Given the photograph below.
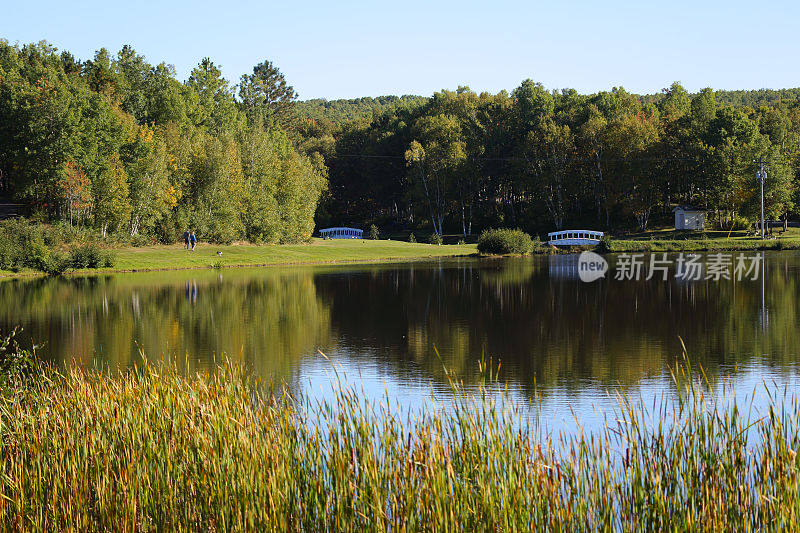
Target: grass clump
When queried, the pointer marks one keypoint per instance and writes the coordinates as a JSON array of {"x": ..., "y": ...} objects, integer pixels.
[
  {"x": 155, "y": 450},
  {"x": 504, "y": 241}
]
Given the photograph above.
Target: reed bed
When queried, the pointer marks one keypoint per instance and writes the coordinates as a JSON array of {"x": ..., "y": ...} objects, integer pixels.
[{"x": 152, "y": 449}]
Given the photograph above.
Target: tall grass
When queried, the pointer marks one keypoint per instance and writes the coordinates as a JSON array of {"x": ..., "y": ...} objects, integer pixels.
[{"x": 155, "y": 450}]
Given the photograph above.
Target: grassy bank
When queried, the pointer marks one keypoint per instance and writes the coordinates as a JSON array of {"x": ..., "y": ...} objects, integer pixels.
[
  {"x": 153, "y": 450},
  {"x": 703, "y": 245},
  {"x": 709, "y": 241},
  {"x": 174, "y": 257}
]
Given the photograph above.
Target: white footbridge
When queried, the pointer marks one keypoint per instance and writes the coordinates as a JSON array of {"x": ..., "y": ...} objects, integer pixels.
[
  {"x": 575, "y": 237},
  {"x": 341, "y": 233}
]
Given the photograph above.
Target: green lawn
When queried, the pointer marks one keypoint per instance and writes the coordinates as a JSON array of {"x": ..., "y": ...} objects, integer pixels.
[
  {"x": 670, "y": 240},
  {"x": 318, "y": 251},
  {"x": 664, "y": 234}
]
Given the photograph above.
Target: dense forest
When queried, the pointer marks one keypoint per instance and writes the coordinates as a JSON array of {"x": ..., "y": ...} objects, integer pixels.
[
  {"x": 119, "y": 146},
  {"x": 544, "y": 160},
  {"x": 338, "y": 112}
]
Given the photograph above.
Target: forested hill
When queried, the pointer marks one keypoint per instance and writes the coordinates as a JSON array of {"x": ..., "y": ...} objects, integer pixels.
[
  {"x": 539, "y": 159},
  {"x": 752, "y": 98},
  {"x": 348, "y": 110},
  {"x": 341, "y": 111}
]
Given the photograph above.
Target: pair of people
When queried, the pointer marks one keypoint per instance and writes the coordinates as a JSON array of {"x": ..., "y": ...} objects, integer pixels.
[{"x": 189, "y": 239}]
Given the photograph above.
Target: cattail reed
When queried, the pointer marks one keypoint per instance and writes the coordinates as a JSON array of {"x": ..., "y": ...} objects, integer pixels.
[{"x": 151, "y": 449}]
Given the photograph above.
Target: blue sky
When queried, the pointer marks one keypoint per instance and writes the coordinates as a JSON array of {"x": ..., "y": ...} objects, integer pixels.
[{"x": 351, "y": 49}]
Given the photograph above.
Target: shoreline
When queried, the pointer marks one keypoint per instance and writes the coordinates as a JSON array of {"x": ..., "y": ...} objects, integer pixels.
[
  {"x": 167, "y": 258},
  {"x": 164, "y": 258}
]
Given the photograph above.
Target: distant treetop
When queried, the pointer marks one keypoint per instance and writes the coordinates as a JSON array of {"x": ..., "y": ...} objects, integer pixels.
[{"x": 348, "y": 110}]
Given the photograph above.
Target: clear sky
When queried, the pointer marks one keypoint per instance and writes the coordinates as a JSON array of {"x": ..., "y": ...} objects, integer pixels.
[{"x": 349, "y": 49}]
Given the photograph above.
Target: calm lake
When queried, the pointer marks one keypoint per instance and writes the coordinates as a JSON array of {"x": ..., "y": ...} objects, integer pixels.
[{"x": 572, "y": 342}]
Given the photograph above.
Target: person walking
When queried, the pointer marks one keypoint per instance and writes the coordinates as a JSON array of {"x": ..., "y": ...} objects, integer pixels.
[
  {"x": 186, "y": 240},
  {"x": 193, "y": 240}
]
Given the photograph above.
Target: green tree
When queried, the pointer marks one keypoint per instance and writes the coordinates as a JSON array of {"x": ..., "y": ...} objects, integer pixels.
[
  {"x": 266, "y": 97},
  {"x": 110, "y": 189}
]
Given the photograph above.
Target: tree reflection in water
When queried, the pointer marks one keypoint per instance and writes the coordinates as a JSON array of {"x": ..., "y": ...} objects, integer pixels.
[{"x": 534, "y": 319}]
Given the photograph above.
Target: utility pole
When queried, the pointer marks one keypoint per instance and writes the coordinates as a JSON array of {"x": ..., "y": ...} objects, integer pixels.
[{"x": 761, "y": 175}]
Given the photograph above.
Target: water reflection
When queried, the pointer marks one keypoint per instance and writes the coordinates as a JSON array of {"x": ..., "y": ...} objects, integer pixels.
[{"x": 531, "y": 314}]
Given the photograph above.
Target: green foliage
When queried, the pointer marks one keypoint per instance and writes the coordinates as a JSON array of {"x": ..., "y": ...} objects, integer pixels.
[
  {"x": 436, "y": 239},
  {"x": 339, "y": 112},
  {"x": 504, "y": 241},
  {"x": 121, "y": 147},
  {"x": 39, "y": 247},
  {"x": 605, "y": 246},
  {"x": 54, "y": 263},
  {"x": 373, "y": 232},
  {"x": 412, "y": 238},
  {"x": 90, "y": 256},
  {"x": 536, "y": 159}
]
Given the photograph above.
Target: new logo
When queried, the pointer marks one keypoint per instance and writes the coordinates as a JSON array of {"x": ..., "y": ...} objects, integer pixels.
[{"x": 591, "y": 266}]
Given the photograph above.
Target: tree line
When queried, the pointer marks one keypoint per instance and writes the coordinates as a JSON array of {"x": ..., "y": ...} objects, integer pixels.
[
  {"x": 540, "y": 160},
  {"x": 122, "y": 147},
  {"x": 119, "y": 145}
]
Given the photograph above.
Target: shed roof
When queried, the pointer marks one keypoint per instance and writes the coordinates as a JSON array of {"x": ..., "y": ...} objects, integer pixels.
[{"x": 688, "y": 208}]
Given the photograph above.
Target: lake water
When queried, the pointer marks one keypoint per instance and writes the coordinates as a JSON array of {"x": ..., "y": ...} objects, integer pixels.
[{"x": 574, "y": 343}]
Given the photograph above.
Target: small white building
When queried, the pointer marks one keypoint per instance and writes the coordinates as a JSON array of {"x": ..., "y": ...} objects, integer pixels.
[
  {"x": 688, "y": 217},
  {"x": 341, "y": 233}
]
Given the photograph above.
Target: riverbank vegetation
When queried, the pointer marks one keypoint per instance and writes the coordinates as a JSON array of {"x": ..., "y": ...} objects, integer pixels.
[
  {"x": 91, "y": 257},
  {"x": 505, "y": 241},
  {"x": 118, "y": 145},
  {"x": 546, "y": 160},
  {"x": 49, "y": 249},
  {"x": 153, "y": 449}
]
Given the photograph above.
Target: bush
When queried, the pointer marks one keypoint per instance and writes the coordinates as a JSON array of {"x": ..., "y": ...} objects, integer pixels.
[
  {"x": 411, "y": 238},
  {"x": 435, "y": 238},
  {"x": 23, "y": 245},
  {"x": 605, "y": 245},
  {"x": 373, "y": 232},
  {"x": 55, "y": 264},
  {"x": 739, "y": 223},
  {"x": 90, "y": 256},
  {"x": 504, "y": 241}
]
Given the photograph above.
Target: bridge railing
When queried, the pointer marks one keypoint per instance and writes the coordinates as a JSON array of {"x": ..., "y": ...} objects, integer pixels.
[{"x": 574, "y": 236}]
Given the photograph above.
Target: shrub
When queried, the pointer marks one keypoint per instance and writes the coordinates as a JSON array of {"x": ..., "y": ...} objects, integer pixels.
[
  {"x": 373, "y": 232},
  {"x": 504, "y": 241},
  {"x": 604, "y": 247},
  {"x": 411, "y": 238},
  {"x": 90, "y": 256},
  {"x": 435, "y": 238},
  {"x": 55, "y": 264}
]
